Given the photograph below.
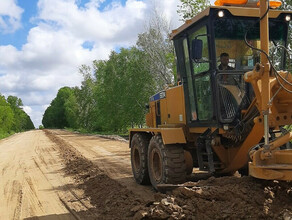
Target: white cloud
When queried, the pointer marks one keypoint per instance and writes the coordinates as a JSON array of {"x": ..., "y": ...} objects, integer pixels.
[
  {"x": 116, "y": 24},
  {"x": 27, "y": 109},
  {"x": 5, "y": 60},
  {"x": 53, "y": 50},
  {"x": 10, "y": 16}
]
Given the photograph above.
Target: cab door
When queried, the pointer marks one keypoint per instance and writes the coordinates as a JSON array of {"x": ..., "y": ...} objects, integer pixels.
[{"x": 198, "y": 79}]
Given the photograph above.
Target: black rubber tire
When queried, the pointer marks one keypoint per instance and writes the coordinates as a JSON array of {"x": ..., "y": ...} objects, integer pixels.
[
  {"x": 139, "y": 145},
  {"x": 166, "y": 163}
]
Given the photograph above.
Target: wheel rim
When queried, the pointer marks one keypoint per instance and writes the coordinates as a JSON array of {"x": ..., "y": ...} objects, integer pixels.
[
  {"x": 156, "y": 162},
  {"x": 136, "y": 159}
]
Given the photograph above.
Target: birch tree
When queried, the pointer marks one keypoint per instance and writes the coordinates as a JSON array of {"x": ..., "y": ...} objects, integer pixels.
[{"x": 190, "y": 8}]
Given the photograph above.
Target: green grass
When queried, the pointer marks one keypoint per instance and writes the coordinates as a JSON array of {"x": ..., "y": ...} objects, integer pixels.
[{"x": 84, "y": 131}]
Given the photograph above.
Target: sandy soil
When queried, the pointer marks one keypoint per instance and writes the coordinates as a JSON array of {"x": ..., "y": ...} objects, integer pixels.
[
  {"x": 56, "y": 174},
  {"x": 111, "y": 156},
  {"x": 32, "y": 182}
]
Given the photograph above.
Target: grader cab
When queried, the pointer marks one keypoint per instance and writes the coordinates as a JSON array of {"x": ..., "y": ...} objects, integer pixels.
[{"x": 233, "y": 105}]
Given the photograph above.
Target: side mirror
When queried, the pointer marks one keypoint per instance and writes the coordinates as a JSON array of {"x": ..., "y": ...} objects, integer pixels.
[{"x": 197, "y": 49}]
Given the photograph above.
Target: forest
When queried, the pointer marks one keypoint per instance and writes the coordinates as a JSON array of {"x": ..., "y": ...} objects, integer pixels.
[
  {"x": 113, "y": 93},
  {"x": 12, "y": 117},
  {"x": 113, "y": 98}
]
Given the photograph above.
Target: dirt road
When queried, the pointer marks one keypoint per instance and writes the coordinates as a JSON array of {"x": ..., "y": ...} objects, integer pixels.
[
  {"x": 61, "y": 175},
  {"x": 32, "y": 182},
  {"x": 41, "y": 175},
  {"x": 111, "y": 156}
]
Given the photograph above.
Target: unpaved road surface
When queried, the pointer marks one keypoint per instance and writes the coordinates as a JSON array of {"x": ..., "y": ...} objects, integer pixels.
[
  {"x": 32, "y": 183},
  {"x": 109, "y": 155},
  {"x": 56, "y": 174}
]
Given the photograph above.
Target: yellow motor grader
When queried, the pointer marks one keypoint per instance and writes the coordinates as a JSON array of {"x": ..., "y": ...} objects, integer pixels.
[{"x": 222, "y": 120}]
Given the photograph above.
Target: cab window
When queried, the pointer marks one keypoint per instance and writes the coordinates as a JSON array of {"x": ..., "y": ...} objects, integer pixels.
[{"x": 202, "y": 79}]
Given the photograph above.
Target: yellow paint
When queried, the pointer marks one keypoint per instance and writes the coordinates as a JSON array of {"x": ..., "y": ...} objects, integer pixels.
[
  {"x": 176, "y": 105},
  {"x": 273, "y": 4}
]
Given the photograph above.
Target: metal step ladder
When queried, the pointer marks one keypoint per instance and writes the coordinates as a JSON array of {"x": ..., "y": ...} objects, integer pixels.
[{"x": 205, "y": 153}]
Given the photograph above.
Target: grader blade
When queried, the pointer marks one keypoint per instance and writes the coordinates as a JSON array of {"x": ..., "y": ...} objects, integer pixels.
[
  {"x": 280, "y": 168},
  {"x": 270, "y": 162}
]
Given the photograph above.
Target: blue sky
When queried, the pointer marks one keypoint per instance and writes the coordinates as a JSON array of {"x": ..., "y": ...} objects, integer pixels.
[
  {"x": 44, "y": 42},
  {"x": 18, "y": 38}
]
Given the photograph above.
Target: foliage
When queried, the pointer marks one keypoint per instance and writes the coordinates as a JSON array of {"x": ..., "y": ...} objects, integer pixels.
[
  {"x": 124, "y": 84},
  {"x": 86, "y": 103},
  {"x": 287, "y": 5},
  {"x": 190, "y": 8},
  {"x": 21, "y": 120},
  {"x": 62, "y": 111},
  {"x": 112, "y": 95},
  {"x": 159, "y": 51},
  {"x": 12, "y": 117},
  {"x": 6, "y": 116}
]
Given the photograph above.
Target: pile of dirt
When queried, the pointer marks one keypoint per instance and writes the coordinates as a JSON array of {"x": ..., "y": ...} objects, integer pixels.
[
  {"x": 110, "y": 199},
  {"x": 226, "y": 198},
  {"x": 214, "y": 198}
]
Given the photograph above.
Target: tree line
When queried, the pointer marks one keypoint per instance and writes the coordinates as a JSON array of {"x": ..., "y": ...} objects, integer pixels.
[
  {"x": 113, "y": 93},
  {"x": 12, "y": 117}
]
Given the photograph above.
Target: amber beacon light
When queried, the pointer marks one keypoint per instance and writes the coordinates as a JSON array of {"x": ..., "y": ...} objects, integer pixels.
[{"x": 246, "y": 3}]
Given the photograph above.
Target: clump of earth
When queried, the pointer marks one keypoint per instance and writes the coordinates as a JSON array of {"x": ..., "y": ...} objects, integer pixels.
[{"x": 225, "y": 198}]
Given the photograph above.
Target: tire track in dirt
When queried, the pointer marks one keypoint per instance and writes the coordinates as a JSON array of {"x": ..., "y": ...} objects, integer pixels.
[
  {"x": 111, "y": 156},
  {"x": 4, "y": 169},
  {"x": 110, "y": 199},
  {"x": 30, "y": 184},
  {"x": 67, "y": 196},
  {"x": 17, "y": 192}
]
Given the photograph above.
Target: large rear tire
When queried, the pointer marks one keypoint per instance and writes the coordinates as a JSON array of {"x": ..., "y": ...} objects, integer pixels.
[
  {"x": 166, "y": 163},
  {"x": 139, "y": 145}
]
